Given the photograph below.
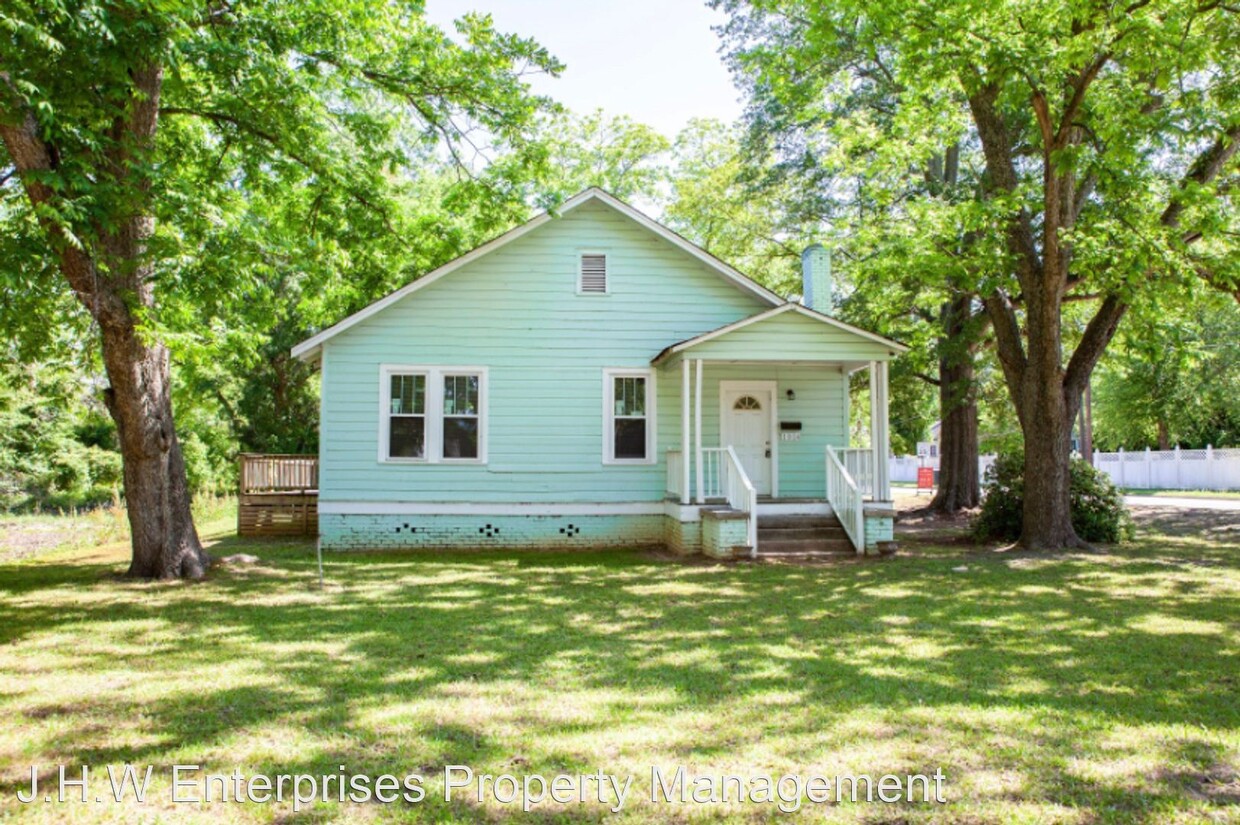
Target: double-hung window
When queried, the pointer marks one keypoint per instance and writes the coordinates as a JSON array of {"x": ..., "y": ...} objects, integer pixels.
[
  {"x": 461, "y": 415},
  {"x": 432, "y": 414},
  {"x": 628, "y": 416},
  {"x": 407, "y": 415}
]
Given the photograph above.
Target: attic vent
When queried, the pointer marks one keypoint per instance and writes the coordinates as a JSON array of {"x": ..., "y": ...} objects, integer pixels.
[{"x": 593, "y": 273}]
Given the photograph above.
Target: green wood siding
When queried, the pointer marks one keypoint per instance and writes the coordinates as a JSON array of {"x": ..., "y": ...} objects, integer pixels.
[
  {"x": 821, "y": 406},
  {"x": 789, "y": 336},
  {"x": 517, "y": 312}
]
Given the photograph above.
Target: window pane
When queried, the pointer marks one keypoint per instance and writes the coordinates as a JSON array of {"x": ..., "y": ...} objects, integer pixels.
[
  {"x": 407, "y": 437},
  {"x": 630, "y": 396},
  {"x": 408, "y": 394},
  {"x": 630, "y": 438},
  {"x": 460, "y": 395},
  {"x": 460, "y": 438}
]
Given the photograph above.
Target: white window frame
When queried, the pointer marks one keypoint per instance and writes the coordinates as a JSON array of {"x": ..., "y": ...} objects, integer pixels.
[
  {"x": 434, "y": 411},
  {"x": 581, "y": 253},
  {"x": 610, "y": 374}
]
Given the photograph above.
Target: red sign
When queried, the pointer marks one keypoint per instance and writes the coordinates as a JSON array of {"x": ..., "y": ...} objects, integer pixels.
[{"x": 925, "y": 478}]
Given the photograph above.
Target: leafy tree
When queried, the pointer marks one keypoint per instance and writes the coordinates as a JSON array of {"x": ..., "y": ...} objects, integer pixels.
[
  {"x": 712, "y": 204},
  {"x": 901, "y": 254},
  {"x": 1106, "y": 139},
  {"x": 614, "y": 153},
  {"x": 1174, "y": 380},
  {"x": 726, "y": 202},
  {"x": 130, "y": 126},
  {"x": 56, "y": 450}
]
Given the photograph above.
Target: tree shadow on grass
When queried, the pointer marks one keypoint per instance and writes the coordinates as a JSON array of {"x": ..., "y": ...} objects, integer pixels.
[{"x": 420, "y": 660}]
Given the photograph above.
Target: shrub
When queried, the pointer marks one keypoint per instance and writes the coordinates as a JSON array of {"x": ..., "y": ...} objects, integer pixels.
[{"x": 1098, "y": 511}]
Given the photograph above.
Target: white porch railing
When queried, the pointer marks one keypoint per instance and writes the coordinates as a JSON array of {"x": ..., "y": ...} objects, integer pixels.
[
  {"x": 713, "y": 484},
  {"x": 741, "y": 495},
  {"x": 714, "y": 472},
  {"x": 675, "y": 474},
  {"x": 859, "y": 462},
  {"x": 723, "y": 477},
  {"x": 846, "y": 500}
]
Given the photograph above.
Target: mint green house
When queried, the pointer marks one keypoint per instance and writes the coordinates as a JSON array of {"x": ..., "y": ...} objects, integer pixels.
[{"x": 592, "y": 379}]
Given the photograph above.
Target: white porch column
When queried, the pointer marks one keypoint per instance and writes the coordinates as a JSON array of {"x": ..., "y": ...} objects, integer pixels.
[
  {"x": 697, "y": 431},
  {"x": 880, "y": 438},
  {"x": 684, "y": 431}
]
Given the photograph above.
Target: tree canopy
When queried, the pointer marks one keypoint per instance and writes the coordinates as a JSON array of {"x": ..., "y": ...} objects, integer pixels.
[{"x": 1101, "y": 141}]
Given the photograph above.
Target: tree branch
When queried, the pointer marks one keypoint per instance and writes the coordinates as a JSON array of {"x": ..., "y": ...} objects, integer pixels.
[
  {"x": 997, "y": 149},
  {"x": 281, "y": 147},
  {"x": 1007, "y": 339},
  {"x": 1098, "y": 333},
  {"x": 1205, "y": 168}
]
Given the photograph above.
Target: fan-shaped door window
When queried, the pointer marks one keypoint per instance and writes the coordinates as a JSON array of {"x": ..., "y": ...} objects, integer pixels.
[{"x": 747, "y": 402}]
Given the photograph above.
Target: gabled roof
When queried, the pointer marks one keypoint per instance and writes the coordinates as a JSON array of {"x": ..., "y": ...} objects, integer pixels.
[
  {"x": 689, "y": 343},
  {"x": 308, "y": 350}
]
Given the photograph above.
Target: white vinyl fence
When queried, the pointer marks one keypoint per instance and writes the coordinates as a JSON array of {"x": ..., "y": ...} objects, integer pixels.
[
  {"x": 904, "y": 467},
  {"x": 1177, "y": 469}
]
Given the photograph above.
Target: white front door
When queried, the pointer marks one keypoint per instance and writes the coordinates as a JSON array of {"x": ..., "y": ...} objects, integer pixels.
[{"x": 746, "y": 420}]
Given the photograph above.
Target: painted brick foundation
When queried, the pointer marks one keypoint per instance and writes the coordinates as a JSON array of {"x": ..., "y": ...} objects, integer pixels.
[
  {"x": 682, "y": 537},
  {"x": 878, "y": 528},
  {"x": 378, "y": 532},
  {"x": 721, "y": 536}
]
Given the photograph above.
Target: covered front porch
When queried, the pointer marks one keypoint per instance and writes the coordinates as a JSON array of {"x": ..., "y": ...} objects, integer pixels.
[{"x": 761, "y": 429}]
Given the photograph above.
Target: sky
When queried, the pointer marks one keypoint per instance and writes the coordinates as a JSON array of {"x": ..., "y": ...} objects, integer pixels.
[{"x": 656, "y": 61}]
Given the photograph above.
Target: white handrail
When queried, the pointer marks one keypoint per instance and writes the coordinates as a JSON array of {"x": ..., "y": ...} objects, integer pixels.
[
  {"x": 742, "y": 496},
  {"x": 845, "y": 498}
]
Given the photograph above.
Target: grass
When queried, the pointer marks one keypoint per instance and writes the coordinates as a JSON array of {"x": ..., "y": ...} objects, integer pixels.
[{"x": 1090, "y": 687}]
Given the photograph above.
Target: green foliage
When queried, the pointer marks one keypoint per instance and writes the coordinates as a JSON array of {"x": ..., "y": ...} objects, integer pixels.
[
  {"x": 56, "y": 445},
  {"x": 617, "y": 154},
  {"x": 712, "y": 204},
  {"x": 941, "y": 139},
  {"x": 1098, "y": 510},
  {"x": 307, "y": 158},
  {"x": 1174, "y": 379}
]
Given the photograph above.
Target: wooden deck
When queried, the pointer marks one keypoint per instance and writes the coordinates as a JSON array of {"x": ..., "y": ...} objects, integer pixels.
[{"x": 278, "y": 495}]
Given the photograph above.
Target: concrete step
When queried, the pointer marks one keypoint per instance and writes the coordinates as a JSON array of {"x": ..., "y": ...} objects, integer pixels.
[
  {"x": 801, "y": 532},
  {"x": 819, "y": 545},
  {"x": 798, "y": 521}
]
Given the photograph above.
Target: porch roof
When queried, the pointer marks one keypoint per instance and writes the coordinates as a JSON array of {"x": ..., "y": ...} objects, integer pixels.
[{"x": 787, "y": 333}]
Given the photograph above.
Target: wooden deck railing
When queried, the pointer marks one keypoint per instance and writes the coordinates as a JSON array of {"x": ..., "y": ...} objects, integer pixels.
[
  {"x": 278, "y": 495},
  {"x": 262, "y": 473}
]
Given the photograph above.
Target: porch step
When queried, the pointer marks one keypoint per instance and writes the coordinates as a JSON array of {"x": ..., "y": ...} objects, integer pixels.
[
  {"x": 801, "y": 535},
  {"x": 804, "y": 546}
]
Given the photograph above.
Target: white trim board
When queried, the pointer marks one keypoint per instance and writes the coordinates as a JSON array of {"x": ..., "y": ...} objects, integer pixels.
[
  {"x": 308, "y": 350},
  {"x": 673, "y": 509},
  {"x": 689, "y": 343},
  {"x": 465, "y": 508}
]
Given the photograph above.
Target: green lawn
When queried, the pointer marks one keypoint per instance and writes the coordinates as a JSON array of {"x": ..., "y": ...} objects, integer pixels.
[{"x": 1085, "y": 688}]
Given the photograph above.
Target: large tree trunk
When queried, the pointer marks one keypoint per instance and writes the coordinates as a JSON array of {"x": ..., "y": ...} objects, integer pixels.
[
  {"x": 1047, "y": 425},
  {"x": 165, "y": 542},
  {"x": 113, "y": 277},
  {"x": 958, "y": 481},
  {"x": 1046, "y": 409}
]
